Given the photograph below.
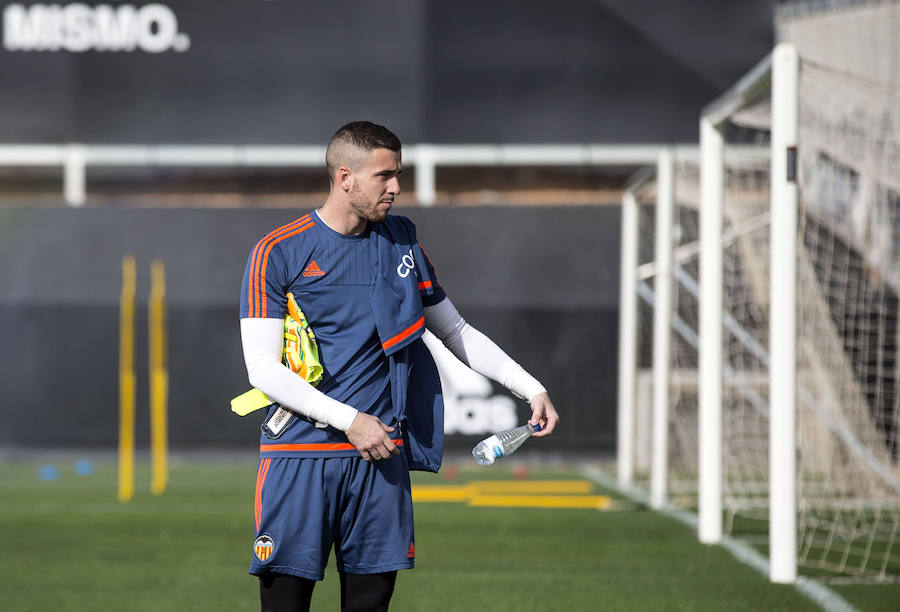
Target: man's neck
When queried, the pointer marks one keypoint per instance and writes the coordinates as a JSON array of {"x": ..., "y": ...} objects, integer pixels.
[{"x": 341, "y": 219}]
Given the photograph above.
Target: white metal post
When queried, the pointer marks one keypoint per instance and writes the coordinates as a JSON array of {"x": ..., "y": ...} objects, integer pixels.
[
  {"x": 74, "y": 190},
  {"x": 783, "y": 319},
  {"x": 627, "y": 340},
  {"x": 662, "y": 320},
  {"x": 709, "y": 511},
  {"x": 426, "y": 190}
]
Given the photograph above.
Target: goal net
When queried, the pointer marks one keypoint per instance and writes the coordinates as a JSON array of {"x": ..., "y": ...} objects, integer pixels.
[{"x": 848, "y": 280}]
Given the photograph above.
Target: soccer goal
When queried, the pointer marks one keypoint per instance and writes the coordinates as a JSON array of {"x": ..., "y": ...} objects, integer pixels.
[{"x": 763, "y": 311}]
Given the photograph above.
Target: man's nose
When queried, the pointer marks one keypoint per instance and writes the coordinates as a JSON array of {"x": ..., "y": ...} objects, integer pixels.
[{"x": 393, "y": 186}]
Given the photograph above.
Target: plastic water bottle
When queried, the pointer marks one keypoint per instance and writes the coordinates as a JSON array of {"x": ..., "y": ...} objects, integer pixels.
[{"x": 502, "y": 443}]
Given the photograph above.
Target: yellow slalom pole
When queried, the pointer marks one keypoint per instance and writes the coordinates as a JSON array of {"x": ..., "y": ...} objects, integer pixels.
[
  {"x": 159, "y": 379},
  {"x": 127, "y": 382}
]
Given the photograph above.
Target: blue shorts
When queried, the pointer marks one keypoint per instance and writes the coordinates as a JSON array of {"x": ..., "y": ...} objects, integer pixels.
[{"x": 303, "y": 507}]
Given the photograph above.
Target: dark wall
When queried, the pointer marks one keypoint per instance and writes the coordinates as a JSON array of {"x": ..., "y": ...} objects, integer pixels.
[
  {"x": 541, "y": 281},
  {"x": 251, "y": 71}
]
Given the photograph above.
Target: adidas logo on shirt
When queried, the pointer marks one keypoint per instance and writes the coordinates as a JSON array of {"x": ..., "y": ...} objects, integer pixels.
[{"x": 313, "y": 269}]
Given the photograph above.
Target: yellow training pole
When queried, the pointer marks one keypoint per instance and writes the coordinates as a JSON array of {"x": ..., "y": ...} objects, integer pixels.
[
  {"x": 127, "y": 381},
  {"x": 159, "y": 379}
]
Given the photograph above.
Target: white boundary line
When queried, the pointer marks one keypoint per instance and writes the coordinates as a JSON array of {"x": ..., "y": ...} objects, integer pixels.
[{"x": 820, "y": 594}]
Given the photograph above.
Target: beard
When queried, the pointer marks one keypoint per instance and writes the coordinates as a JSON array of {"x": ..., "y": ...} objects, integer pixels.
[{"x": 366, "y": 208}]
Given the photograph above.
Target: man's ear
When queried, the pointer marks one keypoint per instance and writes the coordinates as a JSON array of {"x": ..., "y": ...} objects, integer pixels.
[{"x": 344, "y": 178}]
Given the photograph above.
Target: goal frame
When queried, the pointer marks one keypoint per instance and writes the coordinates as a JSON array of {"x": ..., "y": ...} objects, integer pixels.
[{"x": 780, "y": 72}]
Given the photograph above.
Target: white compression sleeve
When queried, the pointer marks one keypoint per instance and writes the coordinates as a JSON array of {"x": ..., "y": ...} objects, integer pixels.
[
  {"x": 478, "y": 351},
  {"x": 262, "y": 342}
]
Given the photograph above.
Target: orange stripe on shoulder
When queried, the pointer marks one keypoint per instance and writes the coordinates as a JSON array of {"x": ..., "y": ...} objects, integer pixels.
[
  {"x": 257, "y": 271},
  {"x": 252, "y": 286},
  {"x": 263, "y": 299}
]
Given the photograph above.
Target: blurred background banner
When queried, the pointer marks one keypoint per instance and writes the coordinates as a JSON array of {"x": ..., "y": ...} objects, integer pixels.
[
  {"x": 281, "y": 72},
  {"x": 509, "y": 270},
  {"x": 539, "y": 274}
]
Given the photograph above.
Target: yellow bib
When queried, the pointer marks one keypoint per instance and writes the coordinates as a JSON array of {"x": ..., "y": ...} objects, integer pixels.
[{"x": 300, "y": 353}]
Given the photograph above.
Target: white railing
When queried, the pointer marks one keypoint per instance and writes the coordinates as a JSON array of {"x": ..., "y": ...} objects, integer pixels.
[{"x": 76, "y": 159}]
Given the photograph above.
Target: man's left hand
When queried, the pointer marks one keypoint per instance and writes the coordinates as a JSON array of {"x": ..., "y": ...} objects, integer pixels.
[{"x": 544, "y": 414}]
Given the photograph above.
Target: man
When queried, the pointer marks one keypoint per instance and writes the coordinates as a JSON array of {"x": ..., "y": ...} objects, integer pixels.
[{"x": 338, "y": 473}]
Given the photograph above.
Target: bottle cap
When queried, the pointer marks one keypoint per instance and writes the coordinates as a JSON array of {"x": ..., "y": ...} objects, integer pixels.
[{"x": 535, "y": 427}]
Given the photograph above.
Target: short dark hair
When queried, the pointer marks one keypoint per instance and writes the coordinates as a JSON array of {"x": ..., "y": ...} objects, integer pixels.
[{"x": 364, "y": 136}]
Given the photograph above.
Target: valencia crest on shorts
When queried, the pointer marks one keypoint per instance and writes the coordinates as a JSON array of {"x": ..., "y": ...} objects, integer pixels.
[{"x": 263, "y": 547}]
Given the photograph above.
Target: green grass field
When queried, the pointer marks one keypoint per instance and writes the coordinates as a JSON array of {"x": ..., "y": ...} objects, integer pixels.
[{"x": 70, "y": 546}]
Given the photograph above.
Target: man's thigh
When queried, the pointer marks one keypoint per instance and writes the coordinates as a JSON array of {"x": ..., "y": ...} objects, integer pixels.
[
  {"x": 293, "y": 518},
  {"x": 375, "y": 520}
]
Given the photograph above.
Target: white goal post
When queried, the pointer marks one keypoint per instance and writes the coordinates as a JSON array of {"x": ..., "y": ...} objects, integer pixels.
[
  {"x": 781, "y": 69},
  {"x": 710, "y": 352}
]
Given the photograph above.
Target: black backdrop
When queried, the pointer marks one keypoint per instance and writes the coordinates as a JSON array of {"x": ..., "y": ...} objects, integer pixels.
[
  {"x": 541, "y": 281},
  {"x": 463, "y": 71}
]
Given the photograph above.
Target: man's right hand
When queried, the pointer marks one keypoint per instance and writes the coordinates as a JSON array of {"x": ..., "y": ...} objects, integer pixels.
[{"x": 370, "y": 437}]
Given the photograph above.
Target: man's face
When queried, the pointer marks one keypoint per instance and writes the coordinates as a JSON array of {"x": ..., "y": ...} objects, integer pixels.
[{"x": 376, "y": 184}]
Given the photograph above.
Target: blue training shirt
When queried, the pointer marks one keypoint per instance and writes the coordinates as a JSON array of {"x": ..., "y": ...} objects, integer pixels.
[{"x": 331, "y": 277}]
